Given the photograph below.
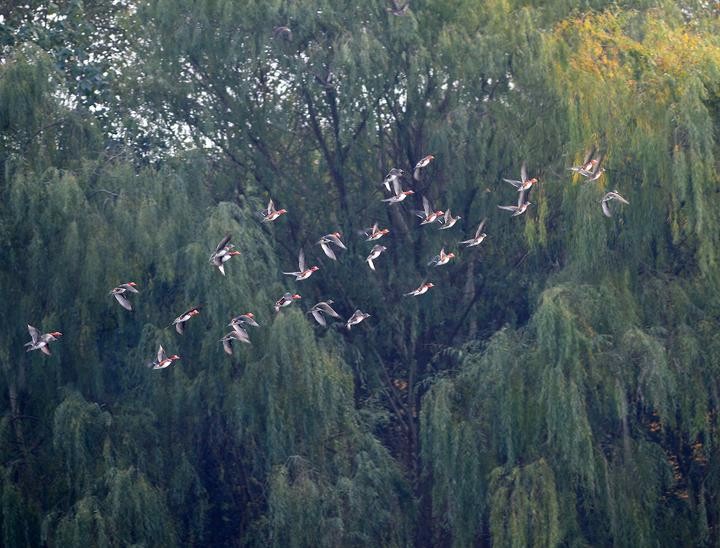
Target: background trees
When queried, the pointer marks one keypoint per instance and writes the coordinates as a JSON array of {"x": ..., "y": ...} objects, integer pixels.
[{"x": 558, "y": 386}]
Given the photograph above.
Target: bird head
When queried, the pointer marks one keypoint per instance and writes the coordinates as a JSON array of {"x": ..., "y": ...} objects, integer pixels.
[
  {"x": 408, "y": 192},
  {"x": 385, "y": 231},
  {"x": 233, "y": 253},
  {"x": 132, "y": 284},
  {"x": 194, "y": 312},
  {"x": 250, "y": 314},
  {"x": 296, "y": 296},
  {"x": 429, "y": 285},
  {"x": 337, "y": 234},
  {"x": 281, "y": 211},
  {"x": 314, "y": 268},
  {"x": 533, "y": 180},
  {"x": 174, "y": 357},
  {"x": 451, "y": 255},
  {"x": 56, "y": 334}
]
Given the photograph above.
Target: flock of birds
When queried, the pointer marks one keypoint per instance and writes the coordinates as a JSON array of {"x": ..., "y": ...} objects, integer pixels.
[{"x": 590, "y": 169}]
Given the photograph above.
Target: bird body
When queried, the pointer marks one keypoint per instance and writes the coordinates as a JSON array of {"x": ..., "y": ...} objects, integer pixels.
[
  {"x": 223, "y": 252},
  {"x": 286, "y": 300},
  {"x": 394, "y": 175},
  {"x": 609, "y": 197},
  {"x": 428, "y": 214},
  {"x": 524, "y": 183},
  {"x": 41, "y": 341},
  {"x": 332, "y": 238},
  {"x": 179, "y": 322},
  {"x": 162, "y": 360},
  {"x": 374, "y": 233},
  {"x": 270, "y": 214},
  {"x": 323, "y": 307},
  {"x": 376, "y": 251},
  {"x": 424, "y": 162},
  {"x": 356, "y": 318},
  {"x": 478, "y": 238},
  {"x": 119, "y": 294},
  {"x": 302, "y": 273},
  {"x": 424, "y": 287},
  {"x": 441, "y": 259},
  {"x": 448, "y": 221}
]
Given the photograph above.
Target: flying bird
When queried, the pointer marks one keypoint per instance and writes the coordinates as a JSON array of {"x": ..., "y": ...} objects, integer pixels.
[
  {"x": 247, "y": 318},
  {"x": 41, "y": 341},
  {"x": 524, "y": 183},
  {"x": 400, "y": 194},
  {"x": 356, "y": 318},
  {"x": 374, "y": 254},
  {"x": 591, "y": 167},
  {"x": 448, "y": 221},
  {"x": 333, "y": 238},
  {"x": 609, "y": 197},
  {"x": 179, "y": 322},
  {"x": 478, "y": 238},
  {"x": 270, "y": 214},
  {"x": 374, "y": 233},
  {"x": 428, "y": 214},
  {"x": 222, "y": 254},
  {"x": 394, "y": 175},
  {"x": 424, "y": 287},
  {"x": 162, "y": 360},
  {"x": 424, "y": 162},
  {"x": 302, "y": 273},
  {"x": 119, "y": 294},
  {"x": 228, "y": 339},
  {"x": 522, "y": 204},
  {"x": 323, "y": 307},
  {"x": 441, "y": 259},
  {"x": 286, "y": 300}
]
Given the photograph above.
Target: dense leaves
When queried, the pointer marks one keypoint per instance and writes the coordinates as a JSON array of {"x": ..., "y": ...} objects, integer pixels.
[{"x": 558, "y": 386}]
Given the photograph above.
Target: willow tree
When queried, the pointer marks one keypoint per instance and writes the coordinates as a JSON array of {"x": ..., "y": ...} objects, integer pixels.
[{"x": 595, "y": 423}]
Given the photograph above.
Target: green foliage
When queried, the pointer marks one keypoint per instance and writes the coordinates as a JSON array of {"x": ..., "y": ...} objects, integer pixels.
[{"x": 559, "y": 385}]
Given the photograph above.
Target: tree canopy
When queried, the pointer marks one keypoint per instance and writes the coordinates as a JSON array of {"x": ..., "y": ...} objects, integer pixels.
[{"x": 558, "y": 386}]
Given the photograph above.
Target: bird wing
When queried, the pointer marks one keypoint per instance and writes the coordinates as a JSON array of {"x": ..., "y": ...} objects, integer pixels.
[
  {"x": 328, "y": 309},
  {"x": 180, "y": 327},
  {"x": 480, "y": 228},
  {"x": 45, "y": 350},
  {"x": 329, "y": 252},
  {"x": 605, "y": 208},
  {"x": 620, "y": 198},
  {"x": 34, "y": 333},
  {"x": 523, "y": 172},
  {"x": 426, "y": 206},
  {"x": 270, "y": 207},
  {"x": 227, "y": 345},
  {"x": 123, "y": 301},
  {"x": 161, "y": 354},
  {"x": 588, "y": 155},
  {"x": 370, "y": 263},
  {"x": 222, "y": 243},
  {"x": 522, "y": 198},
  {"x": 301, "y": 261},
  {"x": 508, "y": 208},
  {"x": 516, "y": 184},
  {"x": 397, "y": 186},
  {"x": 337, "y": 241},
  {"x": 318, "y": 317},
  {"x": 129, "y": 288}
]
